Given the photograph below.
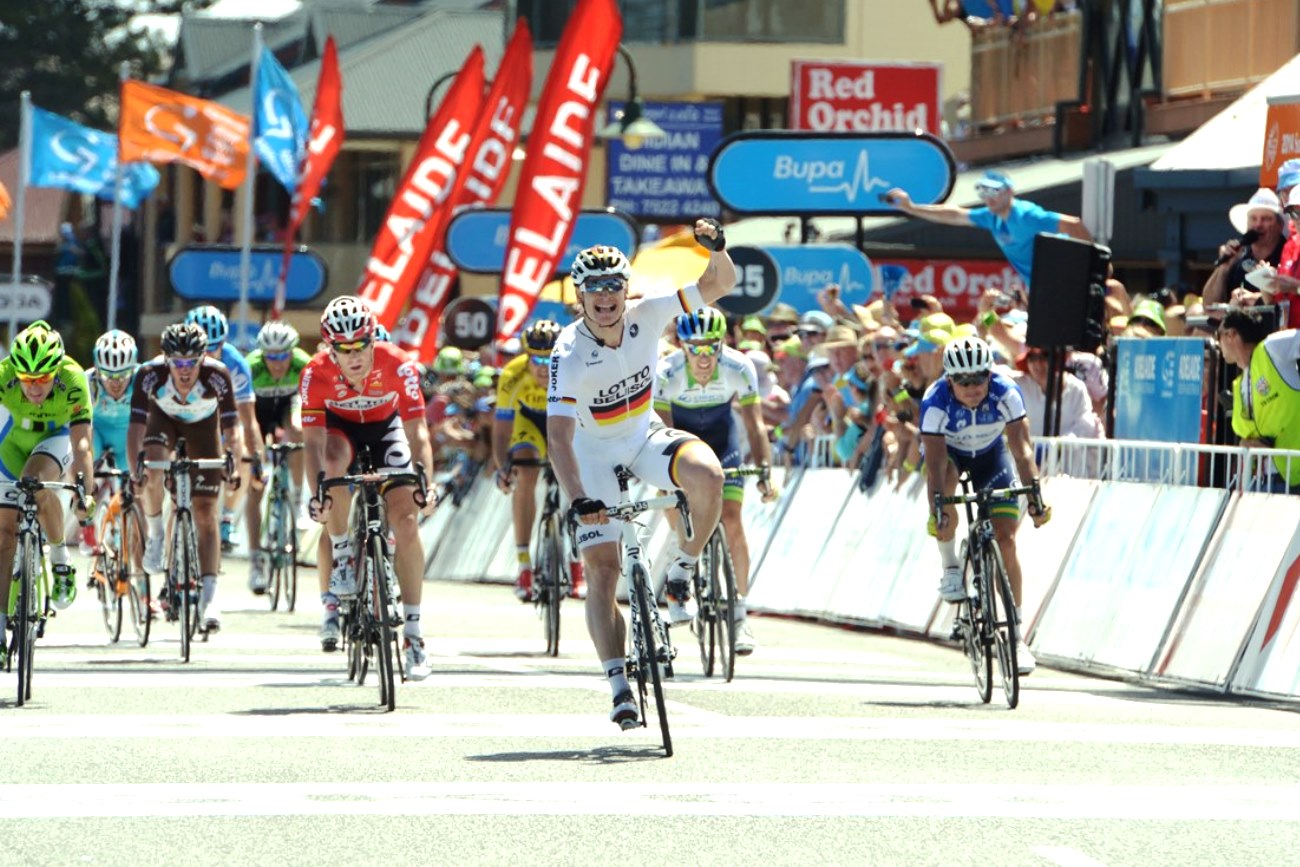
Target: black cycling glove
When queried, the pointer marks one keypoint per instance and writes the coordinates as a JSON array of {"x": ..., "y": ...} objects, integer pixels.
[{"x": 714, "y": 244}]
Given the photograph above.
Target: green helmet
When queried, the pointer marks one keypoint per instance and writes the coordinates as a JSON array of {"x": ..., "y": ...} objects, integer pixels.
[
  {"x": 450, "y": 360},
  {"x": 37, "y": 349}
]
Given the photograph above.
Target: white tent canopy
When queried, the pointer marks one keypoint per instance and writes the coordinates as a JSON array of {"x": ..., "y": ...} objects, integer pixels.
[{"x": 1233, "y": 138}]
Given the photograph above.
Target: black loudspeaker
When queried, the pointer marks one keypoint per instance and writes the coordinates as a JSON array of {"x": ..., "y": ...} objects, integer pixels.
[{"x": 1067, "y": 293}]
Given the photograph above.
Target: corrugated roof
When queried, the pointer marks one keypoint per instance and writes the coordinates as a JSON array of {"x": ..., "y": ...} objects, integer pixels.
[
  {"x": 43, "y": 207},
  {"x": 213, "y": 47},
  {"x": 351, "y": 23},
  {"x": 386, "y": 78}
]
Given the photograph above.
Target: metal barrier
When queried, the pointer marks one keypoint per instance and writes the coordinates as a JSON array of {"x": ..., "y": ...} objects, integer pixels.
[{"x": 1232, "y": 468}]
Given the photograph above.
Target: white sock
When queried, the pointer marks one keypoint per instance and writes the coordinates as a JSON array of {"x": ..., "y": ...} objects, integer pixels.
[
  {"x": 155, "y": 528},
  {"x": 330, "y": 603},
  {"x": 617, "y": 678},
  {"x": 342, "y": 544},
  {"x": 412, "y": 615},
  {"x": 209, "y": 590},
  {"x": 740, "y": 613},
  {"x": 227, "y": 514},
  {"x": 59, "y": 554},
  {"x": 948, "y": 553},
  {"x": 682, "y": 567}
]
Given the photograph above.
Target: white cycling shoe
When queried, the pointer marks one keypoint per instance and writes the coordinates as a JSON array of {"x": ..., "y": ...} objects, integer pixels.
[{"x": 952, "y": 587}]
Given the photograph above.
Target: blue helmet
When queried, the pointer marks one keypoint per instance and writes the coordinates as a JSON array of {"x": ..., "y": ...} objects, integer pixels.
[{"x": 214, "y": 324}]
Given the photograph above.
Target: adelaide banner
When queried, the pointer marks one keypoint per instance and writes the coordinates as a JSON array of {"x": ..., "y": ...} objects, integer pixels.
[
  {"x": 491, "y": 148},
  {"x": 555, "y": 170},
  {"x": 403, "y": 242}
]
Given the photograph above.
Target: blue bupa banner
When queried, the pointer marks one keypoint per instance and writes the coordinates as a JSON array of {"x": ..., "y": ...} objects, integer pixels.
[
  {"x": 666, "y": 178},
  {"x": 69, "y": 156},
  {"x": 804, "y": 271},
  {"x": 280, "y": 125},
  {"x": 212, "y": 274},
  {"x": 1158, "y": 388},
  {"x": 476, "y": 238},
  {"x": 782, "y": 173}
]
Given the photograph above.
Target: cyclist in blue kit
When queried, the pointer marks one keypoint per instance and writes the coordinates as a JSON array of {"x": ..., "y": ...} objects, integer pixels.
[{"x": 976, "y": 417}]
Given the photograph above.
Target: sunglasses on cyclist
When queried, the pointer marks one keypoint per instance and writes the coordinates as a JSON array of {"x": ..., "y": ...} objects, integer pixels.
[
  {"x": 278, "y": 356},
  {"x": 703, "y": 349},
  {"x": 116, "y": 375},
  {"x": 539, "y": 360},
  {"x": 35, "y": 378},
  {"x": 969, "y": 379},
  {"x": 352, "y": 347},
  {"x": 183, "y": 363},
  {"x": 614, "y": 284}
]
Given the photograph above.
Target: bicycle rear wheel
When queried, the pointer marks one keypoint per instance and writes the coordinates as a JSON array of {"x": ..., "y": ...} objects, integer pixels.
[
  {"x": 1002, "y": 619},
  {"x": 722, "y": 585},
  {"x": 27, "y": 613},
  {"x": 648, "y": 652},
  {"x": 970, "y": 620},
  {"x": 290, "y": 548},
  {"x": 130, "y": 572}
]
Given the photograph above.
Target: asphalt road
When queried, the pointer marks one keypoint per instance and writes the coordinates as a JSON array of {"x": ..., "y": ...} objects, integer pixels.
[{"x": 832, "y": 746}]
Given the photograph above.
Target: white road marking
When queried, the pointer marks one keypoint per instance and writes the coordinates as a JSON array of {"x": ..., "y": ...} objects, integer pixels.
[{"x": 948, "y": 800}]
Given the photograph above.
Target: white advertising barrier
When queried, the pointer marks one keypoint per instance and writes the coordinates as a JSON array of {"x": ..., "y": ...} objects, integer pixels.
[
  {"x": 912, "y": 558},
  {"x": 815, "y": 580},
  {"x": 1121, "y": 585},
  {"x": 1225, "y": 598},
  {"x": 433, "y": 532},
  {"x": 850, "y": 554},
  {"x": 472, "y": 538},
  {"x": 799, "y": 536},
  {"x": 1271, "y": 663}
]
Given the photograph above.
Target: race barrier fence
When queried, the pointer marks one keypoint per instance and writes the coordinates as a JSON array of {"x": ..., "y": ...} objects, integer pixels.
[{"x": 1146, "y": 571}]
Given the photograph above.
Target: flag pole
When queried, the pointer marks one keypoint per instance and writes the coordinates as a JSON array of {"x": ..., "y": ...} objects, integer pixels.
[
  {"x": 24, "y": 168},
  {"x": 246, "y": 248},
  {"x": 115, "y": 256}
]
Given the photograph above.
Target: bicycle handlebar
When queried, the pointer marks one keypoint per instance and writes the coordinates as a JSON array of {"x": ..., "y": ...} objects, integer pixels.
[
  {"x": 1033, "y": 492},
  {"x": 31, "y": 485},
  {"x": 763, "y": 473},
  {"x": 284, "y": 447},
  {"x": 388, "y": 475},
  {"x": 675, "y": 500}
]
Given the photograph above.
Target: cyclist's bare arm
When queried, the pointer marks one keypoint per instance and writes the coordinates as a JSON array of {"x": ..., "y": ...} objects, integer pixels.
[
  {"x": 313, "y": 450},
  {"x": 230, "y": 433},
  {"x": 252, "y": 433},
  {"x": 134, "y": 444},
  {"x": 1022, "y": 452},
  {"x": 719, "y": 276},
  {"x": 83, "y": 451},
  {"x": 665, "y": 416},
  {"x": 564, "y": 461},
  {"x": 936, "y": 467},
  {"x": 417, "y": 434},
  {"x": 501, "y": 431}
]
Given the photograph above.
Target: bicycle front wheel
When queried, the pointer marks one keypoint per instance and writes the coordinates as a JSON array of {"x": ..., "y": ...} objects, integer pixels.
[
  {"x": 27, "y": 613},
  {"x": 1002, "y": 618},
  {"x": 706, "y": 617},
  {"x": 722, "y": 585},
  {"x": 290, "y": 548},
  {"x": 552, "y": 586},
  {"x": 271, "y": 557},
  {"x": 105, "y": 577},
  {"x": 648, "y": 652},
  {"x": 974, "y": 635},
  {"x": 382, "y": 628}
]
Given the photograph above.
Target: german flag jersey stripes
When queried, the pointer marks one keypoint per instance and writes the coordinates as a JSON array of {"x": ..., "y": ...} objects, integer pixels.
[{"x": 610, "y": 390}]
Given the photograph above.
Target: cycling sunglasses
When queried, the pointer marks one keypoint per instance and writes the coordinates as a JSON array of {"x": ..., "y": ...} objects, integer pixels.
[
  {"x": 539, "y": 360},
  {"x": 969, "y": 379},
  {"x": 703, "y": 349},
  {"x": 278, "y": 356},
  {"x": 35, "y": 378},
  {"x": 183, "y": 363},
  {"x": 613, "y": 284},
  {"x": 115, "y": 375},
  {"x": 349, "y": 348}
]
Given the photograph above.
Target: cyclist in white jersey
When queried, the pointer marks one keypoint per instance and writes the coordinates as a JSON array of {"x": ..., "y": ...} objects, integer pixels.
[
  {"x": 598, "y": 416},
  {"x": 964, "y": 416}
]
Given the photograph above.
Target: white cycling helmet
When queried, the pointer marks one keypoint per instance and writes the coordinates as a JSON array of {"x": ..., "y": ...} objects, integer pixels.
[
  {"x": 277, "y": 336},
  {"x": 967, "y": 355},
  {"x": 214, "y": 324},
  {"x": 598, "y": 264},
  {"x": 115, "y": 351},
  {"x": 347, "y": 318}
]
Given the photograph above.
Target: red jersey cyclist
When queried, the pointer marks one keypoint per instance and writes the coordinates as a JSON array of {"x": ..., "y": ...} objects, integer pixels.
[{"x": 357, "y": 394}]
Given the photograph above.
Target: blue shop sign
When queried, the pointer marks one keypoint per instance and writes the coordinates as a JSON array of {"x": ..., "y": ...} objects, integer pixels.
[
  {"x": 666, "y": 178},
  {"x": 793, "y": 173},
  {"x": 476, "y": 238},
  {"x": 211, "y": 273}
]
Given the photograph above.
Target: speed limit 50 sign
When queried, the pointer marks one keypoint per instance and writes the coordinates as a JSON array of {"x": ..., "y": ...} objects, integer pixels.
[{"x": 469, "y": 323}]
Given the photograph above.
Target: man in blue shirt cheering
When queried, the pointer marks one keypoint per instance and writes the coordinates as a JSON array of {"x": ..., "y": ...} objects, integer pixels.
[{"x": 1014, "y": 222}]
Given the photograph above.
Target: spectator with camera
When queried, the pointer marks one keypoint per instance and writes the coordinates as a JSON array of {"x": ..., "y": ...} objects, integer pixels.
[
  {"x": 1260, "y": 222},
  {"x": 1266, "y": 395},
  {"x": 1280, "y": 285}
]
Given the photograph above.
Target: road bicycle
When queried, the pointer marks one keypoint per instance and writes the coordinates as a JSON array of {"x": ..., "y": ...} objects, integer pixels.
[
  {"x": 280, "y": 530},
  {"x": 987, "y": 623},
  {"x": 714, "y": 582},
  {"x": 555, "y": 541},
  {"x": 117, "y": 575},
  {"x": 183, "y": 575},
  {"x": 369, "y": 621},
  {"x": 29, "y": 597},
  {"x": 650, "y": 653}
]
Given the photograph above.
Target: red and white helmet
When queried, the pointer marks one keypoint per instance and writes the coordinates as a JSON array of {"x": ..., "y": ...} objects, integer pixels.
[{"x": 347, "y": 318}]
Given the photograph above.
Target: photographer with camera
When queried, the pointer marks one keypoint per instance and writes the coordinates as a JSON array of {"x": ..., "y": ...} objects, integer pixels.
[
  {"x": 1266, "y": 395},
  {"x": 1260, "y": 222}
]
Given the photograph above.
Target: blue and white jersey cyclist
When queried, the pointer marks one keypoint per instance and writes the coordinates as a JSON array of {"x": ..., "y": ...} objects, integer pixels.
[
  {"x": 241, "y": 376},
  {"x": 694, "y": 393},
  {"x": 111, "y": 381},
  {"x": 973, "y": 420}
]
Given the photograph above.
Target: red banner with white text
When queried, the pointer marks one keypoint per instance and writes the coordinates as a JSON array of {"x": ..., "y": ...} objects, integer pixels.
[
  {"x": 863, "y": 96},
  {"x": 323, "y": 145},
  {"x": 402, "y": 245},
  {"x": 491, "y": 148},
  {"x": 550, "y": 186},
  {"x": 957, "y": 283}
]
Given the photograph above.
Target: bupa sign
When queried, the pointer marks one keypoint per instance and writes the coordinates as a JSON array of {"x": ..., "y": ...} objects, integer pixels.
[
  {"x": 791, "y": 173},
  {"x": 477, "y": 238},
  {"x": 795, "y": 275},
  {"x": 211, "y": 273}
]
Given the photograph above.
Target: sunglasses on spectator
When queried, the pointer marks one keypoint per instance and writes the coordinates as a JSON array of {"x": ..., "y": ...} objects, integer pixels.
[
  {"x": 35, "y": 378},
  {"x": 608, "y": 285},
  {"x": 810, "y": 332},
  {"x": 351, "y": 347},
  {"x": 987, "y": 193},
  {"x": 969, "y": 379},
  {"x": 183, "y": 363},
  {"x": 705, "y": 349},
  {"x": 278, "y": 356},
  {"x": 116, "y": 375}
]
